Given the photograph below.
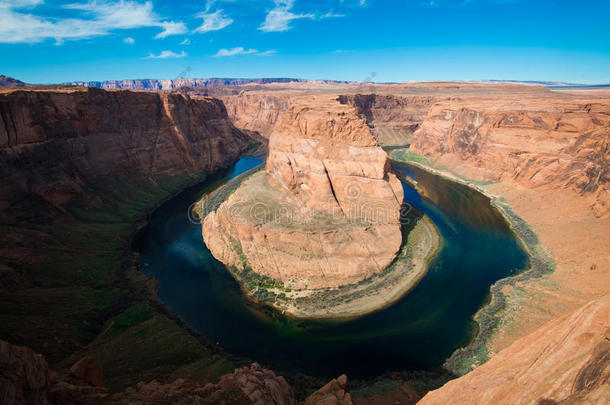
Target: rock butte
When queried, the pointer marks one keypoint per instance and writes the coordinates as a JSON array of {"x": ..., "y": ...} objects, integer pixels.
[{"x": 325, "y": 212}]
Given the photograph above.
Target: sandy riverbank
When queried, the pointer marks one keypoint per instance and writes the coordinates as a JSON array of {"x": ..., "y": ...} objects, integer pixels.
[{"x": 374, "y": 293}]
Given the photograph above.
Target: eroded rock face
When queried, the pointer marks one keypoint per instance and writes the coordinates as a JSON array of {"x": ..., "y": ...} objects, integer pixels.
[
  {"x": 255, "y": 111},
  {"x": 326, "y": 211},
  {"x": 566, "y": 361},
  {"x": 56, "y": 144},
  {"x": 392, "y": 119},
  {"x": 24, "y": 378},
  {"x": 529, "y": 135}
]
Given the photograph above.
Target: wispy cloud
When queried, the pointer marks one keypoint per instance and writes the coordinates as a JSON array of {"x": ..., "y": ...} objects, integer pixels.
[
  {"x": 167, "y": 54},
  {"x": 330, "y": 14},
  {"x": 279, "y": 18},
  {"x": 186, "y": 41},
  {"x": 213, "y": 21},
  {"x": 267, "y": 53},
  {"x": 240, "y": 50},
  {"x": 19, "y": 24},
  {"x": 129, "y": 40}
]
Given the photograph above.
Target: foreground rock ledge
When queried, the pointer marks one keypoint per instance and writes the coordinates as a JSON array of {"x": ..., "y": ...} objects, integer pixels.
[{"x": 323, "y": 215}]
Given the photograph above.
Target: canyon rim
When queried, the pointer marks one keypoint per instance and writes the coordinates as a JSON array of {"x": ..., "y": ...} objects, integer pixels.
[{"x": 283, "y": 202}]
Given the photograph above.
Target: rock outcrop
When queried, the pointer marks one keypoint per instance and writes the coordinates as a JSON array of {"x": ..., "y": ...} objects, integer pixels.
[
  {"x": 251, "y": 385},
  {"x": 565, "y": 145},
  {"x": 332, "y": 393},
  {"x": 567, "y": 361},
  {"x": 26, "y": 379},
  {"x": 326, "y": 211}
]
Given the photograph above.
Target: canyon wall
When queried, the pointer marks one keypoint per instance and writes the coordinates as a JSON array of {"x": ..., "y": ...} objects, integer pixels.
[
  {"x": 54, "y": 144},
  {"x": 79, "y": 167},
  {"x": 556, "y": 145},
  {"x": 256, "y": 111},
  {"x": 393, "y": 119},
  {"x": 529, "y": 135}
]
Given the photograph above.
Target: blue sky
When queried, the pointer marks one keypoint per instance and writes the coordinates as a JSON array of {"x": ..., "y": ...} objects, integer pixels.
[{"x": 56, "y": 41}]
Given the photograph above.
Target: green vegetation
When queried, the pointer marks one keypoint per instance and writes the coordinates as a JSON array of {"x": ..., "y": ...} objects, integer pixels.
[
  {"x": 84, "y": 295},
  {"x": 142, "y": 344},
  {"x": 406, "y": 156}
]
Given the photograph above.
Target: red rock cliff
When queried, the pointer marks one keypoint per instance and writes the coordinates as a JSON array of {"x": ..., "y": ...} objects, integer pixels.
[{"x": 55, "y": 143}]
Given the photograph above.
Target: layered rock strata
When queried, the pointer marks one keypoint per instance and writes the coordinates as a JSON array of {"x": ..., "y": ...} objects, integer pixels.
[
  {"x": 325, "y": 212},
  {"x": 55, "y": 143}
]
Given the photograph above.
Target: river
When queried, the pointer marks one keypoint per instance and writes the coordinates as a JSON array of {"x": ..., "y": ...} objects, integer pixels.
[{"x": 418, "y": 332}]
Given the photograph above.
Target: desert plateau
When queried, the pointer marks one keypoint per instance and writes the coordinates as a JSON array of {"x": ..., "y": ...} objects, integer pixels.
[{"x": 283, "y": 202}]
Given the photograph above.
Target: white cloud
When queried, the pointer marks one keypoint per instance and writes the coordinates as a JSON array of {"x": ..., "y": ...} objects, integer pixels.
[
  {"x": 20, "y": 3},
  {"x": 330, "y": 14},
  {"x": 167, "y": 54},
  {"x": 129, "y": 40},
  {"x": 122, "y": 14},
  {"x": 185, "y": 42},
  {"x": 279, "y": 18},
  {"x": 213, "y": 21},
  {"x": 171, "y": 28},
  {"x": 18, "y": 24},
  {"x": 239, "y": 50}
]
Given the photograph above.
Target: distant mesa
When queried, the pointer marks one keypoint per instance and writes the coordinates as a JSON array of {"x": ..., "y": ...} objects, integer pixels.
[
  {"x": 6, "y": 81},
  {"x": 174, "y": 84}
]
